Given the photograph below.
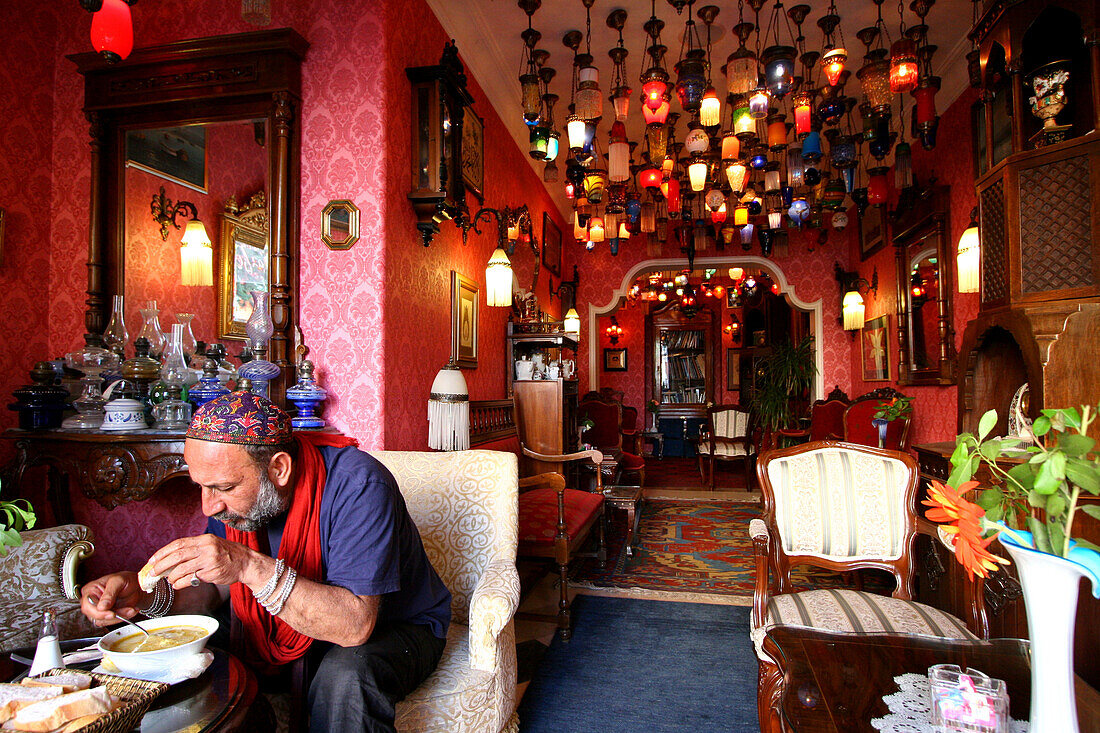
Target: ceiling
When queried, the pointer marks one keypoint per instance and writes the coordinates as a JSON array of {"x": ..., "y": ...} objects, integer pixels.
[{"x": 487, "y": 33}]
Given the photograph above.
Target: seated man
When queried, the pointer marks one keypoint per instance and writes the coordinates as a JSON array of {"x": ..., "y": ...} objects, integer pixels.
[{"x": 338, "y": 566}]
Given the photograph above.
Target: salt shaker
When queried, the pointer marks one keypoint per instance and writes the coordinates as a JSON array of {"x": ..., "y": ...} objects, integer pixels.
[{"x": 48, "y": 654}]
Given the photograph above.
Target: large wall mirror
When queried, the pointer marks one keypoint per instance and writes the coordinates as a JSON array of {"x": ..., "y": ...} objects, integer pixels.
[
  {"x": 926, "y": 338},
  {"x": 211, "y": 122}
]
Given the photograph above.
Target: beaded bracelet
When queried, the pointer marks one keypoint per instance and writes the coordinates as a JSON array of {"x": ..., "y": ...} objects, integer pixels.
[
  {"x": 164, "y": 595},
  {"x": 269, "y": 587},
  {"x": 276, "y": 607}
]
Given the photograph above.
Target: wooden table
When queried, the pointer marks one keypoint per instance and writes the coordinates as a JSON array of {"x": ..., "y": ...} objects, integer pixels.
[
  {"x": 224, "y": 698},
  {"x": 630, "y": 499},
  {"x": 657, "y": 437},
  {"x": 836, "y": 682}
]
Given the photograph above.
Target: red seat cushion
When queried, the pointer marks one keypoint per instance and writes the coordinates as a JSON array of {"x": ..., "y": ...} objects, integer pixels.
[
  {"x": 538, "y": 514},
  {"x": 632, "y": 462}
]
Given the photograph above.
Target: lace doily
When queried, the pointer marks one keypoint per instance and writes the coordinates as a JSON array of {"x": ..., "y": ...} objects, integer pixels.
[{"x": 911, "y": 708}]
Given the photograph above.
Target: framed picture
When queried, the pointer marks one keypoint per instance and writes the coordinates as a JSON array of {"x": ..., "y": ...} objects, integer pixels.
[
  {"x": 243, "y": 257},
  {"x": 733, "y": 370},
  {"x": 733, "y": 298},
  {"x": 176, "y": 154},
  {"x": 464, "y": 300},
  {"x": 473, "y": 152},
  {"x": 875, "y": 338},
  {"x": 551, "y": 245},
  {"x": 614, "y": 360},
  {"x": 760, "y": 338},
  {"x": 872, "y": 232}
]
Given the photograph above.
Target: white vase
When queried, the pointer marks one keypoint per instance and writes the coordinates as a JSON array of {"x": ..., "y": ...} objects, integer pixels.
[{"x": 1050, "y": 594}]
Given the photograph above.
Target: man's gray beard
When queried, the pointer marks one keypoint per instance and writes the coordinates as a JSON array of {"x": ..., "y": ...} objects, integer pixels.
[{"x": 269, "y": 504}]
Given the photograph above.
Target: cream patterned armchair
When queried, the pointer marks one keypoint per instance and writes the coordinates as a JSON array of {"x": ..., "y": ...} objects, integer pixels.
[
  {"x": 465, "y": 505},
  {"x": 40, "y": 575},
  {"x": 842, "y": 507}
]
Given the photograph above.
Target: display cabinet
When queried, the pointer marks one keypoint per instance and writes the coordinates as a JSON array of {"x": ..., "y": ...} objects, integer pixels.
[{"x": 680, "y": 350}]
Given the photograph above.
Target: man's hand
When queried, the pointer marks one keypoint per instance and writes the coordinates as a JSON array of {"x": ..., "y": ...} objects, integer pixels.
[
  {"x": 211, "y": 559},
  {"x": 112, "y": 596}
]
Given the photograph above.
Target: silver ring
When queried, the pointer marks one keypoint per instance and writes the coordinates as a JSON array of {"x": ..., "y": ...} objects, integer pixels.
[{"x": 195, "y": 580}]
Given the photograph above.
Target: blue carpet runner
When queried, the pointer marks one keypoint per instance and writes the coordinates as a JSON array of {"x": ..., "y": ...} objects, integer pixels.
[{"x": 637, "y": 666}]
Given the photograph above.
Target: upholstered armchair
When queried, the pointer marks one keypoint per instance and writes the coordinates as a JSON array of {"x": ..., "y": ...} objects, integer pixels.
[
  {"x": 40, "y": 575},
  {"x": 606, "y": 433},
  {"x": 841, "y": 507},
  {"x": 464, "y": 504},
  {"x": 727, "y": 437},
  {"x": 858, "y": 427}
]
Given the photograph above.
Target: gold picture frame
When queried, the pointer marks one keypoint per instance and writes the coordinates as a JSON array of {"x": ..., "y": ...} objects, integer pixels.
[
  {"x": 473, "y": 153},
  {"x": 244, "y": 257},
  {"x": 340, "y": 224},
  {"x": 464, "y": 320}
]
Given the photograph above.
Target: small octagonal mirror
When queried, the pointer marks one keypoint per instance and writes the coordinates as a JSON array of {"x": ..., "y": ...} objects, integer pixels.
[{"x": 340, "y": 224}]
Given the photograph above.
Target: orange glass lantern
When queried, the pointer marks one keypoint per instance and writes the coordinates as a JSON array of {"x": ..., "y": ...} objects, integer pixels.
[
  {"x": 740, "y": 219},
  {"x": 777, "y": 131},
  {"x": 719, "y": 216},
  {"x": 736, "y": 172},
  {"x": 656, "y": 115},
  {"x": 653, "y": 93},
  {"x": 802, "y": 112},
  {"x": 877, "y": 187},
  {"x": 651, "y": 178},
  {"x": 832, "y": 63},
  {"x": 671, "y": 189},
  {"x": 731, "y": 146},
  {"x": 903, "y": 65}
]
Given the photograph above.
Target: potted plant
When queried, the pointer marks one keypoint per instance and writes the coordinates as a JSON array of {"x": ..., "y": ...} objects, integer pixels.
[
  {"x": 584, "y": 426},
  {"x": 15, "y": 516},
  {"x": 782, "y": 377},
  {"x": 887, "y": 412},
  {"x": 1038, "y": 487},
  {"x": 652, "y": 407}
]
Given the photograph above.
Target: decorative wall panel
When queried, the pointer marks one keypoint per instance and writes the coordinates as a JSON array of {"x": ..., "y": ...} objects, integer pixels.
[
  {"x": 994, "y": 244},
  {"x": 1056, "y": 238}
]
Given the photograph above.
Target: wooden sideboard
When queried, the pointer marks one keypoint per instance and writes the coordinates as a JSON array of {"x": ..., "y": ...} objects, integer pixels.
[{"x": 110, "y": 468}]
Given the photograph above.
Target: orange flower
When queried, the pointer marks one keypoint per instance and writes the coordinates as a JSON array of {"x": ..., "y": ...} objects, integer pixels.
[{"x": 963, "y": 519}]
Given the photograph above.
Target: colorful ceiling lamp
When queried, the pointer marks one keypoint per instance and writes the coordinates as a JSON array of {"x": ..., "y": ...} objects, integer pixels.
[
  {"x": 553, "y": 143},
  {"x": 832, "y": 106},
  {"x": 691, "y": 80},
  {"x": 618, "y": 154},
  {"x": 925, "y": 96},
  {"x": 742, "y": 72},
  {"x": 877, "y": 187},
  {"x": 811, "y": 148},
  {"x": 647, "y": 220},
  {"x": 580, "y": 231},
  {"x": 875, "y": 78},
  {"x": 656, "y": 116},
  {"x": 842, "y": 152},
  {"x": 697, "y": 140},
  {"x": 710, "y": 109},
  {"x": 795, "y": 165},
  {"x": 715, "y": 200},
  {"x": 498, "y": 279},
  {"x": 731, "y": 146},
  {"x": 736, "y": 173},
  {"x": 758, "y": 103},
  {"x": 656, "y": 135},
  {"x": 740, "y": 216},
  {"x": 772, "y": 180},
  {"x": 540, "y": 140},
  {"x": 832, "y": 63},
  {"x": 671, "y": 189},
  {"x": 746, "y": 236},
  {"x": 799, "y": 211},
  {"x": 779, "y": 69},
  {"x": 853, "y": 310},
  {"x": 196, "y": 255},
  {"x": 802, "y": 103},
  {"x": 744, "y": 124},
  {"x": 620, "y": 92},
  {"x": 650, "y": 178},
  {"x": 595, "y": 229},
  {"x": 903, "y": 166},
  {"x": 113, "y": 30},
  {"x": 903, "y": 66},
  {"x": 575, "y": 130},
  {"x": 969, "y": 256},
  {"x": 719, "y": 216},
  {"x": 775, "y": 219},
  {"x": 833, "y": 195},
  {"x": 759, "y": 157},
  {"x": 777, "y": 131},
  {"x": 697, "y": 174}
]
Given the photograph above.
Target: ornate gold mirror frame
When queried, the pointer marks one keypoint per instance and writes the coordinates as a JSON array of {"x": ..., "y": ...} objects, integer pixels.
[
  {"x": 340, "y": 224},
  {"x": 244, "y": 255}
]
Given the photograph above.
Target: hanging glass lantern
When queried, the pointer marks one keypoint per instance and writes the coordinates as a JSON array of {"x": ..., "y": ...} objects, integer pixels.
[
  {"x": 580, "y": 231},
  {"x": 671, "y": 190},
  {"x": 832, "y": 63},
  {"x": 903, "y": 66},
  {"x": 624, "y": 233},
  {"x": 647, "y": 221},
  {"x": 691, "y": 80},
  {"x": 574, "y": 129},
  {"x": 611, "y": 224},
  {"x": 650, "y": 178},
  {"x": 766, "y": 237},
  {"x": 595, "y": 184},
  {"x": 552, "y": 146},
  {"x": 719, "y": 215},
  {"x": 654, "y": 87},
  {"x": 794, "y": 165},
  {"x": 758, "y": 104},
  {"x": 849, "y": 176},
  {"x": 772, "y": 182},
  {"x": 759, "y": 158},
  {"x": 731, "y": 146},
  {"x": 903, "y": 166},
  {"x": 811, "y": 148},
  {"x": 696, "y": 141},
  {"x": 736, "y": 173},
  {"x": 875, "y": 78},
  {"x": 618, "y": 154},
  {"x": 877, "y": 187},
  {"x": 842, "y": 153},
  {"x": 540, "y": 139},
  {"x": 620, "y": 102},
  {"x": 811, "y": 176},
  {"x": 595, "y": 229},
  {"x": 740, "y": 216},
  {"x": 550, "y": 172},
  {"x": 925, "y": 95},
  {"x": 833, "y": 196},
  {"x": 742, "y": 73},
  {"x": 777, "y": 131},
  {"x": 667, "y": 165},
  {"x": 775, "y": 219},
  {"x": 658, "y": 115},
  {"x": 867, "y": 120},
  {"x": 710, "y": 109},
  {"x": 802, "y": 113},
  {"x": 532, "y": 100},
  {"x": 697, "y": 174},
  {"x": 882, "y": 140},
  {"x": 715, "y": 200},
  {"x": 746, "y": 236},
  {"x": 633, "y": 207},
  {"x": 798, "y": 212},
  {"x": 832, "y": 106},
  {"x": 779, "y": 69},
  {"x": 788, "y": 195},
  {"x": 744, "y": 124},
  {"x": 112, "y": 31},
  {"x": 928, "y": 134},
  {"x": 589, "y": 98},
  {"x": 656, "y": 136}
]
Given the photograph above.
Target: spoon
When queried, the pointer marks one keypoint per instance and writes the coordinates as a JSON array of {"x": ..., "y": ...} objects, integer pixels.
[{"x": 131, "y": 623}]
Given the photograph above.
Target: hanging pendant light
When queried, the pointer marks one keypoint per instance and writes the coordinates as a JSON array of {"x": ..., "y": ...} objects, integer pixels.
[
  {"x": 779, "y": 69},
  {"x": 777, "y": 131},
  {"x": 575, "y": 131},
  {"x": 736, "y": 173},
  {"x": 802, "y": 103},
  {"x": 853, "y": 310},
  {"x": 731, "y": 146},
  {"x": 969, "y": 256},
  {"x": 740, "y": 219},
  {"x": 744, "y": 124},
  {"x": 799, "y": 211},
  {"x": 449, "y": 410},
  {"x": 715, "y": 200},
  {"x": 618, "y": 154},
  {"x": 877, "y": 187},
  {"x": 925, "y": 96},
  {"x": 903, "y": 166},
  {"x": 657, "y": 116},
  {"x": 875, "y": 78},
  {"x": 589, "y": 98},
  {"x": 746, "y": 236},
  {"x": 758, "y": 103},
  {"x": 832, "y": 63},
  {"x": 903, "y": 66},
  {"x": 741, "y": 70},
  {"x": 552, "y": 146},
  {"x": 620, "y": 92},
  {"x": 710, "y": 109},
  {"x": 697, "y": 174},
  {"x": 539, "y": 137},
  {"x": 595, "y": 229},
  {"x": 772, "y": 182},
  {"x": 113, "y": 31},
  {"x": 671, "y": 189},
  {"x": 691, "y": 80},
  {"x": 498, "y": 279},
  {"x": 697, "y": 140}
]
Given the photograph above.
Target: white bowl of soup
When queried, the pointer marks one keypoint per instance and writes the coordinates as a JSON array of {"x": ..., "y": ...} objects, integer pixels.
[{"x": 171, "y": 639}]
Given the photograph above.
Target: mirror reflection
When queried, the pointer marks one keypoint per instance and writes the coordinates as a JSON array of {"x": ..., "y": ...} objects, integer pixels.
[
  {"x": 209, "y": 166},
  {"x": 923, "y": 310}
]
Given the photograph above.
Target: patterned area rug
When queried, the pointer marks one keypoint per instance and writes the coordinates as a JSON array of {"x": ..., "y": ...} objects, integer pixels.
[
  {"x": 683, "y": 473},
  {"x": 694, "y": 547}
]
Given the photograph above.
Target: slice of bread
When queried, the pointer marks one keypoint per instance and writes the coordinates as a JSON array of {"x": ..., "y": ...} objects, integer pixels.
[
  {"x": 49, "y": 714},
  {"x": 69, "y": 681},
  {"x": 147, "y": 579},
  {"x": 14, "y": 697}
]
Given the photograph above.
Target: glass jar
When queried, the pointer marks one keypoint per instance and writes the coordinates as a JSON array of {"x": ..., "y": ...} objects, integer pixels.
[
  {"x": 116, "y": 337},
  {"x": 259, "y": 326},
  {"x": 150, "y": 329},
  {"x": 190, "y": 345}
]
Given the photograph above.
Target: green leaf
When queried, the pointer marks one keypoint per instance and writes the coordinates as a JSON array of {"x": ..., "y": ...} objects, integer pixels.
[
  {"x": 10, "y": 538},
  {"x": 1093, "y": 510},
  {"x": 1084, "y": 474},
  {"x": 1071, "y": 417},
  {"x": 995, "y": 514},
  {"x": 991, "y": 449},
  {"x": 990, "y": 498},
  {"x": 1075, "y": 445},
  {"x": 1039, "y": 534},
  {"x": 1056, "y": 505},
  {"x": 1046, "y": 482},
  {"x": 1035, "y": 499},
  {"x": 1086, "y": 544},
  {"x": 959, "y": 454},
  {"x": 1041, "y": 426},
  {"x": 962, "y": 473},
  {"x": 1057, "y": 465},
  {"x": 1057, "y": 533},
  {"x": 986, "y": 424},
  {"x": 1024, "y": 475}
]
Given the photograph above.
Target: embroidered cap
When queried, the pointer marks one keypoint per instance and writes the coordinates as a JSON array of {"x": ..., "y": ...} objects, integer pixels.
[{"x": 243, "y": 418}]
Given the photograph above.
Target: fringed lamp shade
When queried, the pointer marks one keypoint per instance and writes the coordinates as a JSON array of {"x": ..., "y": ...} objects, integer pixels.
[
  {"x": 853, "y": 310},
  {"x": 968, "y": 259},
  {"x": 498, "y": 279},
  {"x": 196, "y": 256},
  {"x": 449, "y": 410}
]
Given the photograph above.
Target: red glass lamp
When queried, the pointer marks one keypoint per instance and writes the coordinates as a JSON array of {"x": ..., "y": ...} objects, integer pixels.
[
  {"x": 903, "y": 65},
  {"x": 877, "y": 187},
  {"x": 113, "y": 30},
  {"x": 832, "y": 63}
]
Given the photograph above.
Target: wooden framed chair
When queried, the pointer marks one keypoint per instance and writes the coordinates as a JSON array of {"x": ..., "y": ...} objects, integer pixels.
[
  {"x": 826, "y": 420},
  {"x": 727, "y": 437},
  {"x": 859, "y": 429},
  {"x": 606, "y": 434},
  {"x": 556, "y": 521},
  {"x": 841, "y": 507}
]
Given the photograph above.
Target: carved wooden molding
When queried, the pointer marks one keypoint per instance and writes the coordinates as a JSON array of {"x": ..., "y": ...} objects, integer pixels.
[
  {"x": 1000, "y": 590},
  {"x": 491, "y": 420}
]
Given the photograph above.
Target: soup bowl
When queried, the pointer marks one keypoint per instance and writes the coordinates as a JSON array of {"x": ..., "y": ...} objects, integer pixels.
[{"x": 142, "y": 662}]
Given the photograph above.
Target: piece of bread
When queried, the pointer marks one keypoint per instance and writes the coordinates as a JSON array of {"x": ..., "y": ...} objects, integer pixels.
[
  {"x": 69, "y": 681},
  {"x": 14, "y": 697},
  {"x": 147, "y": 579},
  {"x": 77, "y": 723},
  {"x": 49, "y": 714}
]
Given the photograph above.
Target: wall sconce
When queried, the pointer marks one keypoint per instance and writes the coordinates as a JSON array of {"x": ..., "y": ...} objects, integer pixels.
[
  {"x": 970, "y": 255},
  {"x": 449, "y": 410},
  {"x": 572, "y": 322},
  {"x": 196, "y": 255},
  {"x": 165, "y": 212},
  {"x": 614, "y": 331},
  {"x": 733, "y": 328},
  {"x": 112, "y": 28},
  {"x": 852, "y": 289},
  {"x": 498, "y": 279},
  {"x": 566, "y": 289},
  {"x": 513, "y": 225}
]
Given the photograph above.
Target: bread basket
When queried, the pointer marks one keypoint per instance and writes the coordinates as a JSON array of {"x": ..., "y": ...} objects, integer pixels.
[{"x": 136, "y": 697}]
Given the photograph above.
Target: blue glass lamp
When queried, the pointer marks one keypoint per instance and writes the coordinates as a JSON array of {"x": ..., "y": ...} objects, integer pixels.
[{"x": 307, "y": 396}]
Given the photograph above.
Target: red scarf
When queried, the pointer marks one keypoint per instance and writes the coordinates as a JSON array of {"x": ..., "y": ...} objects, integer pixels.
[{"x": 273, "y": 640}]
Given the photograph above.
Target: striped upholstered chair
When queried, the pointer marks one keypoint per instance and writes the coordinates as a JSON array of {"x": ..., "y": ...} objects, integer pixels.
[
  {"x": 842, "y": 507},
  {"x": 727, "y": 437}
]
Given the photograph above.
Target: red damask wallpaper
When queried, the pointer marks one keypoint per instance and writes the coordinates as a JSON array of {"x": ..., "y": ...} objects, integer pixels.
[{"x": 935, "y": 408}]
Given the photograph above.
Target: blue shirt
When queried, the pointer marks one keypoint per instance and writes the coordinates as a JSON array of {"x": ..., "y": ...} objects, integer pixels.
[{"x": 369, "y": 543}]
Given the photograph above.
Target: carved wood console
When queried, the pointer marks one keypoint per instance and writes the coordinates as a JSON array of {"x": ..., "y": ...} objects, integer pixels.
[{"x": 111, "y": 469}]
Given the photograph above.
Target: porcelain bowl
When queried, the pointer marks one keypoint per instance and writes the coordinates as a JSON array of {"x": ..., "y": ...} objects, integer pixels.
[
  {"x": 124, "y": 414},
  {"x": 160, "y": 659}
]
